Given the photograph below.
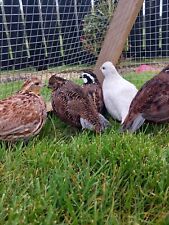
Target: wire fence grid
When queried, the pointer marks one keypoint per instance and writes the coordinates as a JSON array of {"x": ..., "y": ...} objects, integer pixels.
[
  {"x": 149, "y": 39},
  {"x": 42, "y": 36}
]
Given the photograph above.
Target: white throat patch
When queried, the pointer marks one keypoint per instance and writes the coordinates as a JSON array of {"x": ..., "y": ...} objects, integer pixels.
[
  {"x": 88, "y": 75},
  {"x": 85, "y": 80}
]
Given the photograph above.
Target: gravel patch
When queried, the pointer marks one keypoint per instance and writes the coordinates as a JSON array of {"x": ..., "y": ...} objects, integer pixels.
[{"x": 11, "y": 76}]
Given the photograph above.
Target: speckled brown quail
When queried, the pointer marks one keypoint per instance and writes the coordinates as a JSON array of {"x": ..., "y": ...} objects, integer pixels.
[
  {"x": 150, "y": 103},
  {"x": 93, "y": 87},
  {"x": 23, "y": 114},
  {"x": 71, "y": 104}
]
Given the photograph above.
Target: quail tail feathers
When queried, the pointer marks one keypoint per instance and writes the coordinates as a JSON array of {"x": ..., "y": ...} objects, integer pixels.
[{"x": 133, "y": 125}]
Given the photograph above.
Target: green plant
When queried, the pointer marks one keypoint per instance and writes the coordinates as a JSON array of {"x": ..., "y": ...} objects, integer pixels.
[{"x": 95, "y": 25}]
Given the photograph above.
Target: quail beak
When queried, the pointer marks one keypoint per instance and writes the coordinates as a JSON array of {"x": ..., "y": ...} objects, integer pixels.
[
  {"x": 49, "y": 86},
  {"x": 81, "y": 76},
  {"x": 43, "y": 85}
]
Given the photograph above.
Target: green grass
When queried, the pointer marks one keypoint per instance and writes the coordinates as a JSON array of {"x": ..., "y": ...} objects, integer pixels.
[
  {"x": 139, "y": 61},
  {"x": 65, "y": 176},
  {"x": 6, "y": 89}
]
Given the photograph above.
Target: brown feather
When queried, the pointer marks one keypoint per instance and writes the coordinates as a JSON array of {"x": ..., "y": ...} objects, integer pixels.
[
  {"x": 152, "y": 100},
  {"x": 70, "y": 103},
  {"x": 23, "y": 114},
  {"x": 95, "y": 91}
]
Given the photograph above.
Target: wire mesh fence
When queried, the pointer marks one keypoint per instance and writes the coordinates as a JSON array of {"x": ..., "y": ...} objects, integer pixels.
[
  {"x": 148, "y": 40},
  {"x": 44, "y": 36}
]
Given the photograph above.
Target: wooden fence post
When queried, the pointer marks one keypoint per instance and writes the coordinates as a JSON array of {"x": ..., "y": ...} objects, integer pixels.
[{"x": 117, "y": 33}]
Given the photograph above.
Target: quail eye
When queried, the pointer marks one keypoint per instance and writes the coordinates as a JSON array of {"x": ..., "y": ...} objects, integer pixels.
[
  {"x": 37, "y": 83},
  {"x": 103, "y": 68}
]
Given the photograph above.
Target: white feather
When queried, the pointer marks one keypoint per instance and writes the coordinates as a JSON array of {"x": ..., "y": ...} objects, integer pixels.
[
  {"x": 117, "y": 92},
  {"x": 85, "y": 80}
]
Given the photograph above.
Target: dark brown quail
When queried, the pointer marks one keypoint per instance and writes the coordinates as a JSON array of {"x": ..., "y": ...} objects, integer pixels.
[
  {"x": 73, "y": 106},
  {"x": 93, "y": 87},
  {"x": 150, "y": 103}
]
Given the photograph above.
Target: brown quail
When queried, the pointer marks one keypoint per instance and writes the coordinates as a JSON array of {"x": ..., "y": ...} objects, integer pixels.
[
  {"x": 73, "y": 106},
  {"x": 93, "y": 87},
  {"x": 150, "y": 103},
  {"x": 23, "y": 114}
]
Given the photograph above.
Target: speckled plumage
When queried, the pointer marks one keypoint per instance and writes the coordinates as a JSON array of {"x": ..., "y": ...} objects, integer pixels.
[
  {"x": 23, "y": 114},
  {"x": 151, "y": 103},
  {"x": 71, "y": 104},
  {"x": 93, "y": 87}
]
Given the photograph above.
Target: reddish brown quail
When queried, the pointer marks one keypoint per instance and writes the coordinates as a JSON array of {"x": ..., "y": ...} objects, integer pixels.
[{"x": 23, "y": 114}]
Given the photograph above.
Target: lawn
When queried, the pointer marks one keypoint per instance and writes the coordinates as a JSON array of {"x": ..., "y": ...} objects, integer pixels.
[{"x": 64, "y": 176}]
